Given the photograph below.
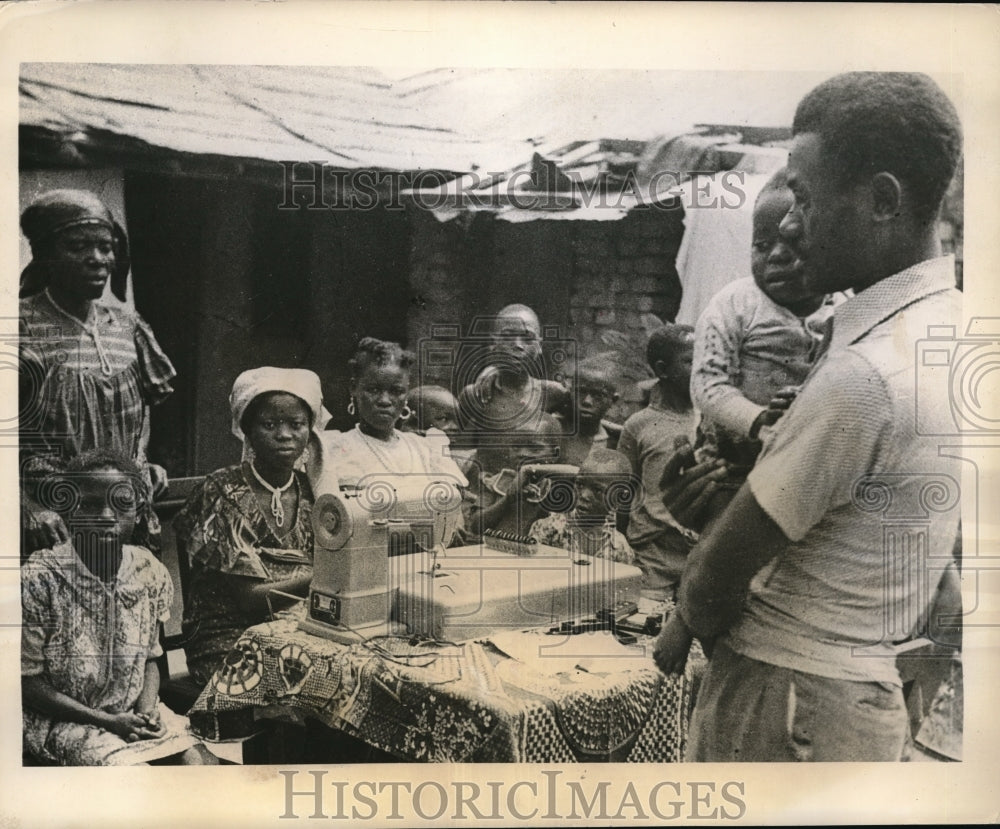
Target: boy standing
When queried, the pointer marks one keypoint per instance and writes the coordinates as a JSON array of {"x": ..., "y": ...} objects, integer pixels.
[
  {"x": 648, "y": 440},
  {"x": 593, "y": 394},
  {"x": 509, "y": 396}
]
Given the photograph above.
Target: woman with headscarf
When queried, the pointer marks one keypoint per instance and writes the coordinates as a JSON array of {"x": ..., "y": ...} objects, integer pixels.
[
  {"x": 90, "y": 369},
  {"x": 247, "y": 529}
]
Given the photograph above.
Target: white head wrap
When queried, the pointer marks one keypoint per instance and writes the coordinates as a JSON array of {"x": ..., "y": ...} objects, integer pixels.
[{"x": 301, "y": 382}]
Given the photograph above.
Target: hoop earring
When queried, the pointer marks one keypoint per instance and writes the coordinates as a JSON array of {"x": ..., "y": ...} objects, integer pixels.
[
  {"x": 350, "y": 407},
  {"x": 406, "y": 411}
]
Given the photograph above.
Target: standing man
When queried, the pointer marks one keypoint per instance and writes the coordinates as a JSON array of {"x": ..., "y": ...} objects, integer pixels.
[{"x": 803, "y": 666}]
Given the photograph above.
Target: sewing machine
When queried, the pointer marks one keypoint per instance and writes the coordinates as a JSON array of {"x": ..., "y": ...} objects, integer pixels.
[
  {"x": 368, "y": 536},
  {"x": 381, "y": 567}
]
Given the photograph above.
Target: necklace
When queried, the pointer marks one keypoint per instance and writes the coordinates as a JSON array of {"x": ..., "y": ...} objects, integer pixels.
[
  {"x": 277, "y": 510},
  {"x": 380, "y": 454},
  {"x": 91, "y": 329}
]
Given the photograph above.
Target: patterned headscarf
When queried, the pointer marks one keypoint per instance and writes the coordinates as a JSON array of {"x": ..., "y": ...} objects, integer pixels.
[
  {"x": 300, "y": 382},
  {"x": 59, "y": 210}
]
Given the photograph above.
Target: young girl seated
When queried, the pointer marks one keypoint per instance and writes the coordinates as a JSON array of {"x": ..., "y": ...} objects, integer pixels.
[
  {"x": 380, "y": 385},
  {"x": 247, "y": 529},
  {"x": 589, "y": 527},
  {"x": 91, "y": 614}
]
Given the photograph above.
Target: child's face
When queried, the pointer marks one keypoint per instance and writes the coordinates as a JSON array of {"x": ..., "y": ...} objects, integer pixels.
[
  {"x": 518, "y": 335},
  {"x": 776, "y": 269},
  {"x": 676, "y": 369},
  {"x": 106, "y": 510},
  {"x": 594, "y": 396},
  {"x": 439, "y": 413},
  {"x": 591, "y": 491},
  {"x": 540, "y": 447},
  {"x": 380, "y": 395}
]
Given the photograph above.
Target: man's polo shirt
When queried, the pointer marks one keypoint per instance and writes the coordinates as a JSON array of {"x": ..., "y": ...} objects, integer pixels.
[{"x": 870, "y": 506}]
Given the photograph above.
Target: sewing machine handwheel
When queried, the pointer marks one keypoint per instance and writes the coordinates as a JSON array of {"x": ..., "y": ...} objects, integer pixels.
[{"x": 332, "y": 524}]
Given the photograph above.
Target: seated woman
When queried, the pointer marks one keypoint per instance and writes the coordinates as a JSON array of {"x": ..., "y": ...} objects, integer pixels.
[
  {"x": 92, "y": 608},
  {"x": 380, "y": 383},
  {"x": 247, "y": 528}
]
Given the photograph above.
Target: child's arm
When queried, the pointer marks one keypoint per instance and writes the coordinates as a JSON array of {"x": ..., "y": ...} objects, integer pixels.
[
  {"x": 628, "y": 446},
  {"x": 507, "y": 505},
  {"x": 38, "y": 694},
  {"x": 44, "y": 527},
  {"x": 718, "y": 338},
  {"x": 146, "y": 706},
  {"x": 489, "y": 517}
]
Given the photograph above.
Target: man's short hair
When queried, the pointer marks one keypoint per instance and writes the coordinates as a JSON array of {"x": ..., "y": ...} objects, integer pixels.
[
  {"x": 666, "y": 341},
  {"x": 598, "y": 367},
  {"x": 896, "y": 122}
]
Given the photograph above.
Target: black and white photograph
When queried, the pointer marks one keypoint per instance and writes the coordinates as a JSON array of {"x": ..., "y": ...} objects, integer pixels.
[{"x": 541, "y": 414}]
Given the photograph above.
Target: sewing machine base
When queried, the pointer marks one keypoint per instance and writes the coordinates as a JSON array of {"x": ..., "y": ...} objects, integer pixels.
[
  {"x": 354, "y": 634},
  {"x": 472, "y": 595},
  {"x": 349, "y": 617}
]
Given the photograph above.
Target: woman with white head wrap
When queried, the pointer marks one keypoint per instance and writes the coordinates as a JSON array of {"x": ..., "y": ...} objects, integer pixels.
[{"x": 247, "y": 529}]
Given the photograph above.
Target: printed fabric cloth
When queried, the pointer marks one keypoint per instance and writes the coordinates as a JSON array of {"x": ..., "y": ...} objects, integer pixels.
[
  {"x": 448, "y": 704},
  {"x": 223, "y": 531},
  {"x": 557, "y": 530},
  {"x": 91, "y": 384}
]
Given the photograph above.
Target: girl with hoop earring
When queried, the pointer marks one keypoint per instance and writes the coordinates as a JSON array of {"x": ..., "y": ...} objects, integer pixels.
[{"x": 380, "y": 382}]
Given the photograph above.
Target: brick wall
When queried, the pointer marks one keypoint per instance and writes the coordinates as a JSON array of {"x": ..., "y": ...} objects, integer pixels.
[
  {"x": 598, "y": 281},
  {"x": 623, "y": 272}
]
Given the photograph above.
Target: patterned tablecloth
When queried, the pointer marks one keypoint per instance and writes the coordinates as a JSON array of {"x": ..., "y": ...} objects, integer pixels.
[{"x": 437, "y": 703}]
